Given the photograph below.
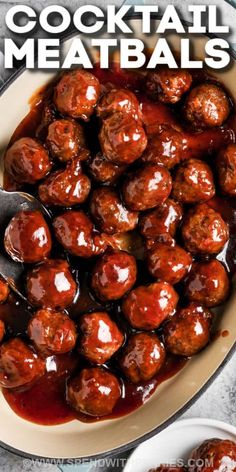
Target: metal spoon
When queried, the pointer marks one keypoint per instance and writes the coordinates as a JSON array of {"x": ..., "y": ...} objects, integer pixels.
[{"x": 10, "y": 204}]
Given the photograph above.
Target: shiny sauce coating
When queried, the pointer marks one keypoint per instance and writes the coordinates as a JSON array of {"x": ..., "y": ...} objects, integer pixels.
[{"x": 45, "y": 403}]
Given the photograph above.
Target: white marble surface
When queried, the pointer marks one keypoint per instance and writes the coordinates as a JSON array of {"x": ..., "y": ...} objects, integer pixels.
[{"x": 219, "y": 401}]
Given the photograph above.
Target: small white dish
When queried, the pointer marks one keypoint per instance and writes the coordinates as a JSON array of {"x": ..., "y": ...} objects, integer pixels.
[{"x": 175, "y": 443}]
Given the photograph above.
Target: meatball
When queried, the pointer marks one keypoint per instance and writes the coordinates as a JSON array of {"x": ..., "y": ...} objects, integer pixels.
[
  {"x": 146, "y": 307},
  {"x": 226, "y": 167},
  {"x": 166, "y": 146},
  {"x": 65, "y": 139},
  {"x": 104, "y": 171},
  {"x": 188, "y": 331},
  {"x": 52, "y": 332},
  {"x": 2, "y": 330},
  {"x": 118, "y": 100},
  {"x": 214, "y": 455},
  {"x": 4, "y": 291},
  {"x": 207, "y": 283},
  {"x": 51, "y": 285},
  {"x": 207, "y": 105},
  {"x": 101, "y": 337},
  {"x": 204, "y": 230},
  {"x": 19, "y": 364},
  {"x": 162, "y": 220},
  {"x": 76, "y": 94},
  {"x": 122, "y": 139},
  {"x": 113, "y": 275},
  {"x": 26, "y": 161},
  {"x": 147, "y": 188},
  {"x": 27, "y": 237},
  {"x": 169, "y": 263},
  {"x": 75, "y": 231},
  {"x": 168, "y": 85},
  {"x": 143, "y": 357},
  {"x": 193, "y": 182},
  {"x": 66, "y": 187},
  {"x": 109, "y": 212},
  {"x": 94, "y": 391}
]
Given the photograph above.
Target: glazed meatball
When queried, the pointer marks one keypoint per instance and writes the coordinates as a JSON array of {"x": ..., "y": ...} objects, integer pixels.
[
  {"x": 65, "y": 139},
  {"x": 118, "y": 100},
  {"x": 104, "y": 171},
  {"x": 207, "y": 283},
  {"x": 214, "y": 455},
  {"x": 66, "y": 187},
  {"x": 75, "y": 231},
  {"x": 113, "y": 275},
  {"x": 207, "y": 105},
  {"x": 166, "y": 146},
  {"x": 162, "y": 220},
  {"x": 146, "y": 307},
  {"x": 168, "y": 85},
  {"x": 193, "y": 182},
  {"x": 52, "y": 332},
  {"x": 204, "y": 230},
  {"x": 19, "y": 364},
  {"x": 76, "y": 94},
  {"x": 27, "y": 237},
  {"x": 188, "y": 331},
  {"x": 94, "y": 391},
  {"x": 109, "y": 212},
  {"x": 143, "y": 357},
  {"x": 101, "y": 337},
  {"x": 51, "y": 285},
  {"x": 226, "y": 167},
  {"x": 2, "y": 330},
  {"x": 122, "y": 139},
  {"x": 26, "y": 161},
  {"x": 169, "y": 263},
  {"x": 4, "y": 291},
  {"x": 147, "y": 188}
]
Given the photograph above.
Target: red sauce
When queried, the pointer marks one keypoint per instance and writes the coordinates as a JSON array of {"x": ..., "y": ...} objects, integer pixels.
[{"x": 45, "y": 403}]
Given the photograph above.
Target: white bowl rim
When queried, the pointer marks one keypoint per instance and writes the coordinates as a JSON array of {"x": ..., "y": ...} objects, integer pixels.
[{"x": 172, "y": 419}]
